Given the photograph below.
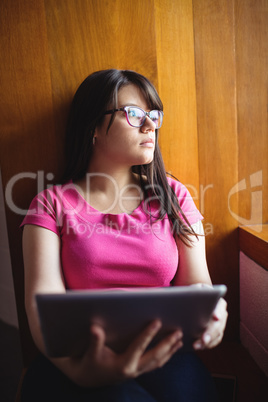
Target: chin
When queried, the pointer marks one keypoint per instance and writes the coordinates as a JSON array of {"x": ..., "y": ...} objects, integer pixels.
[
  {"x": 144, "y": 161},
  {"x": 147, "y": 159}
]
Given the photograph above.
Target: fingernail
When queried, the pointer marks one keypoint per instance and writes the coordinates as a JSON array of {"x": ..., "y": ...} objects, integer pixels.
[
  {"x": 156, "y": 324},
  {"x": 177, "y": 336},
  {"x": 179, "y": 345},
  {"x": 216, "y": 316},
  {"x": 198, "y": 345},
  {"x": 207, "y": 338}
]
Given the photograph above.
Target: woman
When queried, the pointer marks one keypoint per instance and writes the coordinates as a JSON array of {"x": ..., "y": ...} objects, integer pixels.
[{"x": 117, "y": 222}]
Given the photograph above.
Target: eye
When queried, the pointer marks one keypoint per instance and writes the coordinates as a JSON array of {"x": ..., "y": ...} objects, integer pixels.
[
  {"x": 132, "y": 113},
  {"x": 154, "y": 115},
  {"x": 135, "y": 112}
]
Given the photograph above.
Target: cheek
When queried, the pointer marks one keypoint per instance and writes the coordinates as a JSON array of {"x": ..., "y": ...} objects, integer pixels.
[
  {"x": 119, "y": 145},
  {"x": 123, "y": 135}
]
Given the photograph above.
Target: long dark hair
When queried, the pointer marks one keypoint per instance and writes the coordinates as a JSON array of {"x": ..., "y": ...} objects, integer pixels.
[{"x": 97, "y": 93}]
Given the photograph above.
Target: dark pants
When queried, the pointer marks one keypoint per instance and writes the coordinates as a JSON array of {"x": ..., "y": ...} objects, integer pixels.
[{"x": 183, "y": 379}]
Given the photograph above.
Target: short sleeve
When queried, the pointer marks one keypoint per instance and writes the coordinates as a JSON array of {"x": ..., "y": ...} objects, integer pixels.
[
  {"x": 186, "y": 201},
  {"x": 43, "y": 212}
]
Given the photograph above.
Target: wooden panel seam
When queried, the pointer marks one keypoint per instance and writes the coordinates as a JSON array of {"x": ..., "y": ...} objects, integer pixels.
[{"x": 255, "y": 246}]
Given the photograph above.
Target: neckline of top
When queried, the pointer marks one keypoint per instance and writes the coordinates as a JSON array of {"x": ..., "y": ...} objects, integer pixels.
[{"x": 135, "y": 211}]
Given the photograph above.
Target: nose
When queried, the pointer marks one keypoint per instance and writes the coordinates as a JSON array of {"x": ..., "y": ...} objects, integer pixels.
[{"x": 148, "y": 125}]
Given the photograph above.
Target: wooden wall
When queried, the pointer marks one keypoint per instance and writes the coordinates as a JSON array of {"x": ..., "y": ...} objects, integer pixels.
[{"x": 208, "y": 59}]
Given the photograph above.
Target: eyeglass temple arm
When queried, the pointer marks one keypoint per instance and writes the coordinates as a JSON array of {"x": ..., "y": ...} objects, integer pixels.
[{"x": 121, "y": 109}]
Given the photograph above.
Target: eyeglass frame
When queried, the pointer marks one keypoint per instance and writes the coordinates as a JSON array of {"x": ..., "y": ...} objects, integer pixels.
[{"x": 123, "y": 109}]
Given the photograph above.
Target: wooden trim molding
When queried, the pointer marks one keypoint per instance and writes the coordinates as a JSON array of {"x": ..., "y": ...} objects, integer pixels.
[{"x": 253, "y": 241}]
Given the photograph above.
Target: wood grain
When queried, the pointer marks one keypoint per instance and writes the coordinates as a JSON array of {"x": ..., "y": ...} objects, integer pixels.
[
  {"x": 176, "y": 77},
  {"x": 209, "y": 61},
  {"x": 87, "y": 35},
  {"x": 27, "y": 132},
  {"x": 252, "y": 100},
  {"x": 253, "y": 241},
  {"x": 217, "y": 138}
]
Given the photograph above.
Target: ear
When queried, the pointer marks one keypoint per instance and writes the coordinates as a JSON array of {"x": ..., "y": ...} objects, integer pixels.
[
  {"x": 95, "y": 132},
  {"x": 94, "y": 136}
]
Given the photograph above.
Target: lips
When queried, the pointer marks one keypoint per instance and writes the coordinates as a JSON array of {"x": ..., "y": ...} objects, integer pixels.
[{"x": 148, "y": 142}]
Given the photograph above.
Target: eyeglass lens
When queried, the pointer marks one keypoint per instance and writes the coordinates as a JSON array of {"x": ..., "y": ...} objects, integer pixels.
[{"x": 137, "y": 116}]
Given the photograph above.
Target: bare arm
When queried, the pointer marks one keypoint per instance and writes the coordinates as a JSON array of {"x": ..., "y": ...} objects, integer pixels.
[
  {"x": 192, "y": 270},
  {"x": 42, "y": 270},
  {"x": 99, "y": 365},
  {"x": 192, "y": 267}
]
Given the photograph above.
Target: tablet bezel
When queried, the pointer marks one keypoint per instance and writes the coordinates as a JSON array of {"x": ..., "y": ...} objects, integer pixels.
[{"x": 65, "y": 318}]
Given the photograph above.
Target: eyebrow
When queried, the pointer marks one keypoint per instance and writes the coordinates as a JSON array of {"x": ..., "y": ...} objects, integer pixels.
[{"x": 130, "y": 104}]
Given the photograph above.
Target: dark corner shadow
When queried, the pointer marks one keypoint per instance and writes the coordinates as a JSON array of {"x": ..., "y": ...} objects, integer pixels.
[{"x": 10, "y": 361}]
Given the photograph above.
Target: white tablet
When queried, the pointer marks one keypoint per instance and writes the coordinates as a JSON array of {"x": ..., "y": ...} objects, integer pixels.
[{"x": 66, "y": 317}]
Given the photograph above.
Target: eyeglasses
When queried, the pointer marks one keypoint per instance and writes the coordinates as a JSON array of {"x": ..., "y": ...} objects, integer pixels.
[{"x": 136, "y": 116}]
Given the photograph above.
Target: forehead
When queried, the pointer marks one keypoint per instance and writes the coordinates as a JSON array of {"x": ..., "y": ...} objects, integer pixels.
[{"x": 131, "y": 95}]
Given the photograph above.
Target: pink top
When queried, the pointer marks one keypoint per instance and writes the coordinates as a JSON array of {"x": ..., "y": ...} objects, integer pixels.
[{"x": 102, "y": 250}]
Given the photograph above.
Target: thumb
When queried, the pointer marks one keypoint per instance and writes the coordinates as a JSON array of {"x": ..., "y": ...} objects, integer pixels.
[
  {"x": 97, "y": 339},
  {"x": 220, "y": 308}
]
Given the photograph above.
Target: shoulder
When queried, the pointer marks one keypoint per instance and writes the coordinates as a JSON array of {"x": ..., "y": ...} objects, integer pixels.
[
  {"x": 55, "y": 193},
  {"x": 51, "y": 201},
  {"x": 48, "y": 207},
  {"x": 185, "y": 200},
  {"x": 180, "y": 189}
]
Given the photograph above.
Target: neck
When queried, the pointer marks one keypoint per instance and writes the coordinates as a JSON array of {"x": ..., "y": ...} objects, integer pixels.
[
  {"x": 108, "y": 171},
  {"x": 118, "y": 190},
  {"x": 105, "y": 181}
]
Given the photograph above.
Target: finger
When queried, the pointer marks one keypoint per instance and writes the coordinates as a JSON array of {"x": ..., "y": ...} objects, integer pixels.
[
  {"x": 169, "y": 341},
  {"x": 131, "y": 357},
  {"x": 139, "y": 345},
  {"x": 215, "y": 329},
  {"x": 202, "y": 285},
  {"x": 161, "y": 353},
  {"x": 214, "y": 340},
  {"x": 216, "y": 332},
  {"x": 211, "y": 337},
  {"x": 198, "y": 345},
  {"x": 220, "y": 310},
  {"x": 97, "y": 339},
  {"x": 168, "y": 345},
  {"x": 206, "y": 338}
]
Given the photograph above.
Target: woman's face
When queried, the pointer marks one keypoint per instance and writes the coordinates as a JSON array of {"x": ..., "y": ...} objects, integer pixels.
[{"x": 125, "y": 145}]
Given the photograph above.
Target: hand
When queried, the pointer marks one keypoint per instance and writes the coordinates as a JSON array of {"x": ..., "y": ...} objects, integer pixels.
[
  {"x": 214, "y": 333},
  {"x": 101, "y": 366}
]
